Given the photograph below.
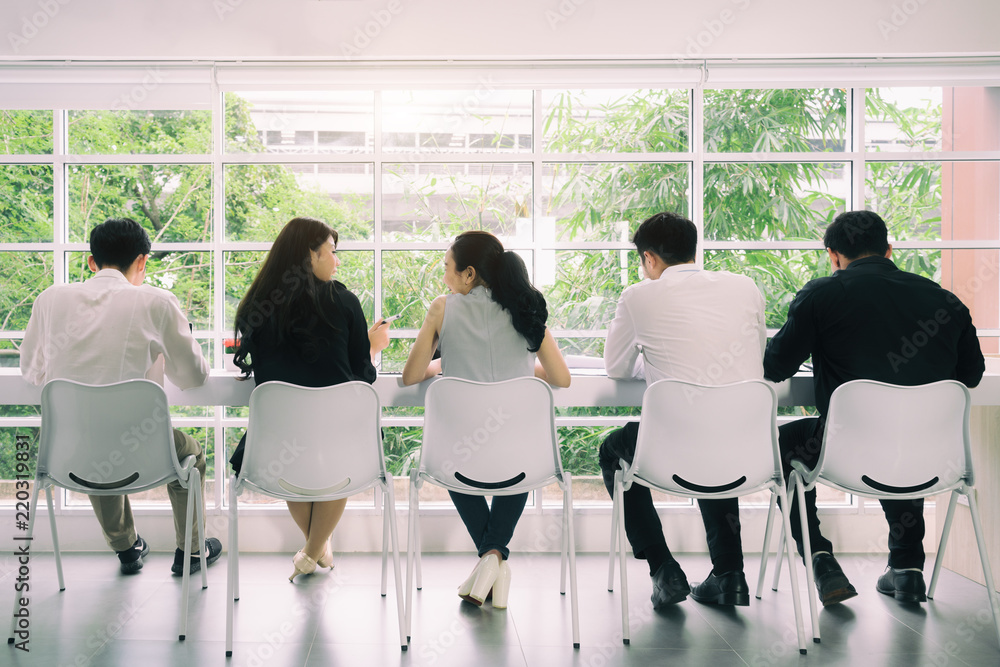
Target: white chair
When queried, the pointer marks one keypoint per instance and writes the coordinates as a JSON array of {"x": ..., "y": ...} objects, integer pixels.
[
  {"x": 491, "y": 439},
  {"x": 895, "y": 442},
  {"x": 700, "y": 441},
  {"x": 313, "y": 444},
  {"x": 111, "y": 440}
]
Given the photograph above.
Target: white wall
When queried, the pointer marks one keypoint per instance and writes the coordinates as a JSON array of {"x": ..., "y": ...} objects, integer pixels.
[{"x": 436, "y": 29}]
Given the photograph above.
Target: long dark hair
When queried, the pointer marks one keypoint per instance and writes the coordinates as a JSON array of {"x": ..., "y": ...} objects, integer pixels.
[
  {"x": 507, "y": 277},
  {"x": 284, "y": 297}
]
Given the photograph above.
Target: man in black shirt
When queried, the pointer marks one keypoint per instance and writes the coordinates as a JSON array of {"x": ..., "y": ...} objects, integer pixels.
[{"x": 869, "y": 320}]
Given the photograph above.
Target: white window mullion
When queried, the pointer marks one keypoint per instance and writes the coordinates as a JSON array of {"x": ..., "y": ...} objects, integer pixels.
[
  {"x": 857, "y": 131},
  {"x": 697, "y": 177},
  {"x": 219, "y": 277}
]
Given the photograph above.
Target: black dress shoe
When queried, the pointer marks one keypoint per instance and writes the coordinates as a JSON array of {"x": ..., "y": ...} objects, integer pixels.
[
  {"x": 670, "y": 586},
  {"x": 831, "y": 582},
  {"x": 904, "y": 585},
  {"x": 729, "y": 588}
]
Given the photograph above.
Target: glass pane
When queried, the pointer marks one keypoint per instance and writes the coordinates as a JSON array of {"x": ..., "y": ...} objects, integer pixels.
[
  {"x": 172, "y": 201},
  {"x": 260, "y": 199},
  {"x": 25, "y": 275},
  {"x": 25, "y": 132},
  {"x": 394, "y": 356},
  {"x": 970, "y": 118},
  {"x": 605, "y": 202},
  {"x": 187, "y": 274},
  {"x": 583, "y": 347},
  {"x": 779, "y": 120},
  {"x": 484, "y": 120},
  {"x": 609, "y": 121},
  {"x": 773, "y": 201},
  {"x": 327, "y": 121},
  {"x": 928, "y": 201},
  {"x": 587, "y": 286},
  {"x": 25, "y": 203},
  {"x": 779, "y": 274},
  {"x": 903, "y": 119},
  {"x": 136, "y": 132},
  {"x": 435, "y": 201},
  {"x": 410, "y": 281},
  {"x": 10, "y": 356},
  {"x": 18, "y": 453}
]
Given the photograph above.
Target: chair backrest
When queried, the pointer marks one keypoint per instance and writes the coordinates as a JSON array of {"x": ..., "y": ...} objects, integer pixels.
[
  {"x": 707, "y": 441},
  {"x": 106, "y": 439},
  {"x": 490, "y": 438},
  {"x": 885, "y": 440},
  {"x": 320, "y": 442}
]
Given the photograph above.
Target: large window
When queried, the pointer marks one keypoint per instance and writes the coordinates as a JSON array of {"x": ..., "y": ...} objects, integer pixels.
[{"x": 562, "y": 174}]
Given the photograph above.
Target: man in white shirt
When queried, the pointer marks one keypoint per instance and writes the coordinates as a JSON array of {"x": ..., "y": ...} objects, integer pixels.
[
  {"x": 688, "y": 324},
  {"x": 113, "y": 328}
]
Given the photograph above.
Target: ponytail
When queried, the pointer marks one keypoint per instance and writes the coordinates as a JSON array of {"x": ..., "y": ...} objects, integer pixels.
[
  {"x": 515, "y": 294},
  {"x": 507, "y": 278}
]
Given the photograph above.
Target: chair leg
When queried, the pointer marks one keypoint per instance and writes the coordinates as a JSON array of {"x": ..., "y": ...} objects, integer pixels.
[
  {"x": 807, "y": 548},
  {"x": 55, "y": 536},
  {"x": 389, "y": 510},
  {"x": 619, "y": 507},
  {"x": 411, "y": 547},
  {"x": 790, "y": 494},
  {"x": 28, "y": 536},
  {"x": 231, "y": 569},
  {"x": 612, "y": 550},
  {"x": 778, "y": 561},
  {"x": 939, "y": 559},
  {"x": 195, "y": 481},
  {"x": 765, "y": 550},
  {"x": 571, "y": 553},
  {"x": 984, "y": 557},
  {"x": 563, "y": 553},
  {"x": 420, "y": 561},
  {"x": 786, "y": 530},
  {"x": 186, "y": 585},
  {"x": 385, "y": 540}
]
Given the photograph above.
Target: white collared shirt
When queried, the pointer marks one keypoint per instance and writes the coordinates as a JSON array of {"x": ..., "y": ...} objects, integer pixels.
[
  {"x": 689, "y": 324},
  {"x": 107, "y": 330}
]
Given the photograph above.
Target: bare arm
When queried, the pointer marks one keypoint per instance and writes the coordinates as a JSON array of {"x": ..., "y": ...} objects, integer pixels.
[
  {"x": 418, "y": 365},
  {"x": 378, "y": 338},
  {"x": 550, "y": 365}
]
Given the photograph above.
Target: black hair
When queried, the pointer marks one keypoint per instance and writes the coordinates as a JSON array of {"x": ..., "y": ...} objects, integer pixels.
[
  {"x": 857, "y": 234},
  {"x": 284, "y": 297},
  {"x": 116, "y": 242},
  {"x": 672, "y": 237},
  {"x": 507, "y": 277}
]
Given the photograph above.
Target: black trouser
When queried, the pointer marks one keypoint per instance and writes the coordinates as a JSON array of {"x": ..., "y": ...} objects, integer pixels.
[
  {"x": 801, "y": 440},
  {"x": 491, "y": 527},
  {"x": 642, "y": 524}
]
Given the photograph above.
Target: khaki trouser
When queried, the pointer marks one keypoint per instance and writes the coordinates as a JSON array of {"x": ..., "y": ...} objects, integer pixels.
[{"x": 114, "y": 513}]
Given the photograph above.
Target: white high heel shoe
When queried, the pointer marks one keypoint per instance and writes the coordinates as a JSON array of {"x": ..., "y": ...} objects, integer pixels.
[
  {"x": 485, "y": 574},
  {"x": 501, "y": 587},
  {"x": 303, "y": 565},
  {"x": 466, "y": 587},
  {"x": 326, "y": 560}
]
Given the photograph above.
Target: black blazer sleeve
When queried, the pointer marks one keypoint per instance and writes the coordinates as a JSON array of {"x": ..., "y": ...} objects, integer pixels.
[
  {"x": 795, "y": 341},
  {"x": 358, "y": 345}
]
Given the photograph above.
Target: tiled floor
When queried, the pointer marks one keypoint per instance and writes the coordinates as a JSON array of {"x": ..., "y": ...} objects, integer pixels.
[{"x": 339, "y": 618}]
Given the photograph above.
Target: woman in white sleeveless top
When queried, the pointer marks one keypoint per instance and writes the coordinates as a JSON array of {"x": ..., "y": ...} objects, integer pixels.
[{"x": 490, "y": 328}]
